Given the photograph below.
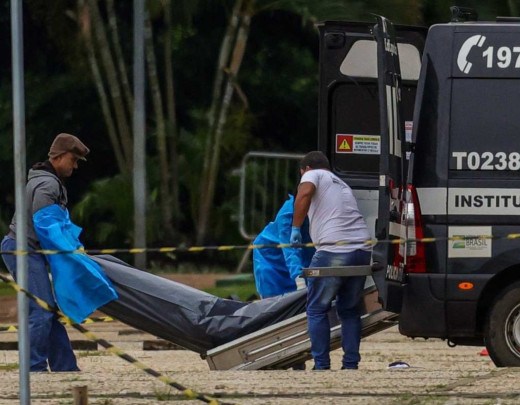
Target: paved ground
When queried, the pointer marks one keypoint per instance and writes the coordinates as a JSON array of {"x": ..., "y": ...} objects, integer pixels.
[{"x": 438, "y": 375}]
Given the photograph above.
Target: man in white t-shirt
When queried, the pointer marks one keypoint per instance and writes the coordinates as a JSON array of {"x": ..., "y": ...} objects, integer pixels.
[{"x": 334, "y": 217}]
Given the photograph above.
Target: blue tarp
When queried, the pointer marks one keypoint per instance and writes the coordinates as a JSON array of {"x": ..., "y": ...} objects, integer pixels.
[
  {"x": 275, "y": 269},
  {"x": 80, "y": 286}
]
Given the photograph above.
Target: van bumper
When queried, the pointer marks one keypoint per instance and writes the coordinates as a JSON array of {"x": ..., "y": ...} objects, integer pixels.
[
  {"x": 422, "y": 313},
  {"x": 430, "y": 309}
]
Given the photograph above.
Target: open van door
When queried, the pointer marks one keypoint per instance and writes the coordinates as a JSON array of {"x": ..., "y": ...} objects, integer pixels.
[
  {"x": 363, "y": 88},
  {"x": 392, "y": 158}
]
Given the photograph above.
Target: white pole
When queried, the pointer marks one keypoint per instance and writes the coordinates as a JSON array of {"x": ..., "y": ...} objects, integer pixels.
[
  {"x": 21, "y": 213},
  {"x": 139, "y": 136}
]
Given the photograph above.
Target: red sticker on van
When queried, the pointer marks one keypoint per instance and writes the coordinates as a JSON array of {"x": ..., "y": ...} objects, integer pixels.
[{"x": 344, "y": 143}]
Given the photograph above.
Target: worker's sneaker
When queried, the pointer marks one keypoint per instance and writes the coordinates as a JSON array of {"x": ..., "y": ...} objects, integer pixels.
[
  {"x": 299, "y": 366},
  {"x": 320, "y": 369},
  {"x": 349, "y": 368}
]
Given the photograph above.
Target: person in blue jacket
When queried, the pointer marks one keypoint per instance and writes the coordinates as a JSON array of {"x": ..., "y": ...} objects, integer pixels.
[
  {"x": 50, "y": 346},
  {"x": 277, "y": 271}
]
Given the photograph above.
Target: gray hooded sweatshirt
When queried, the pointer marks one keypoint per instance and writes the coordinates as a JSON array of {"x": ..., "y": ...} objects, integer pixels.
[{"x": 43, "y": 188}]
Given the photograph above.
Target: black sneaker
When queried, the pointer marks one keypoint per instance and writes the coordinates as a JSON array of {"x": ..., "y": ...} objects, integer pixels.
[
  {"x": 320, "y": 369},
  {"x": 349, "y": 368},
  {"x": 299, "y": 366}
]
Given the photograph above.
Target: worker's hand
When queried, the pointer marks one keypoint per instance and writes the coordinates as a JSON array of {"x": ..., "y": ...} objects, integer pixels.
[
  {"x": 300, "y": 283},
  {"x": 296, "y": 235}
]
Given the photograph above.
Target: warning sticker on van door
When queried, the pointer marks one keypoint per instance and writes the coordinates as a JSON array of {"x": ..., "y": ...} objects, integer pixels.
[
  {"x": 475, "y": 241},
  {"x": 359, "y": 144}
]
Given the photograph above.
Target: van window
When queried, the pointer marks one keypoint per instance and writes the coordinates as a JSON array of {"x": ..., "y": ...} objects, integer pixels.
[{"x": 361, "y": 60}]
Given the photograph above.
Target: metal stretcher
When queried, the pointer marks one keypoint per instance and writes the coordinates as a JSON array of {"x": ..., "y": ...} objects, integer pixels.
[
  {"x": 265, "y": 334},
  {"x": 286, "y": 343}
]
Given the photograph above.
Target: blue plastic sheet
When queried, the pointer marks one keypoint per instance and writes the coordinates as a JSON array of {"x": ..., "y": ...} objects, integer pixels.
[
  {"x": 275, "y": 269},
  {"x": 80, "y": 286}
]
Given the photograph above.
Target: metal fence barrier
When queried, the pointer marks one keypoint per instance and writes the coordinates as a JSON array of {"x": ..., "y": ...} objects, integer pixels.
[{"x": 266, "y": 178}]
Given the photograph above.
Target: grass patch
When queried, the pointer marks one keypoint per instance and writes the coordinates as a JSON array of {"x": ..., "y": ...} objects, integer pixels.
[
  {"x": 9, "y": 367},
  {"x": 162, "y": 394},
  {"x": 6, "y": 290},
  {"x": 242, "y": 291},
  {"x": 187, "y": 267},
  {"x": 93, "y": 353}
]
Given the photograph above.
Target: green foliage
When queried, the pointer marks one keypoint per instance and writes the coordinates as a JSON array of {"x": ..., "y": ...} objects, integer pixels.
[
  {"x": 106, "y": 210},
  {"x": 243, "y": 290},
  {"x": 92, "y": 353},
  {"x": 316, "y": 10},
  {"x": 280, "y": 76},
  {"x": 236, "y": 141},
  {"x": 274, "y": 107},
  {"x": 6, "y": 290},
  {"x": 9, "y": 367},
  {"x": 163, "y": 394},
  {"x": 5, "y": 220}
]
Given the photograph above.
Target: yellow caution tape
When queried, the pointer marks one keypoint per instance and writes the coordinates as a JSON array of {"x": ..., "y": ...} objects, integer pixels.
[
  {"x": 222, "y": 248},
  {"x": 14, "y": 328},
  {"x": 189, "y": 393}
]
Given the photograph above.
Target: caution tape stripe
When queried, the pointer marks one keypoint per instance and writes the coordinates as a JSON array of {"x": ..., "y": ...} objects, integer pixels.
[
  {"x": 9, "y": 328},
  {"x": 14, "y": 328},
  {"x": 125, "y": 356},
  {"x": 189, "y": 393},
  {"x": 198, "y": 249}
]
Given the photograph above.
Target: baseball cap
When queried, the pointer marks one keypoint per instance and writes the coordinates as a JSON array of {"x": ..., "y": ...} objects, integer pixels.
[{"x": 64, "y": 143}]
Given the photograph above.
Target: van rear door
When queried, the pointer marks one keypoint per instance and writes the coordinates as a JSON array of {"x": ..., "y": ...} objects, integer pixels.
[
  {"x": 360, "y": 129},
  {"x": 392, "y": 158}
]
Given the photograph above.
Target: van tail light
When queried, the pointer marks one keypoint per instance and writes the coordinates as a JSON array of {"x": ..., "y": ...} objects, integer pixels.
[{"x": 412, "y": 251}]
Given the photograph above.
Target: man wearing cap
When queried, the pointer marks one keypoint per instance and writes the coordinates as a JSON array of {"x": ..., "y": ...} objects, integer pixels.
[
  {"x": 334, "y": 217},
  {"x": 50, "y": 346}
]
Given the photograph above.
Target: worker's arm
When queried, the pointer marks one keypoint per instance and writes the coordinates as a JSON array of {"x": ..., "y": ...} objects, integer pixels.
[{"x": 302, "y": 202}]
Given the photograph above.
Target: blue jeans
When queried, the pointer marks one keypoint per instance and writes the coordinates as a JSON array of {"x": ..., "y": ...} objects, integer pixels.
[
  {"x": 48, "y": 339},
  {"x": 347, "y": 291}
]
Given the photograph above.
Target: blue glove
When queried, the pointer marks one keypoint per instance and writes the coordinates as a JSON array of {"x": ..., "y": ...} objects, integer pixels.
[{"x": 296, "y": 235}]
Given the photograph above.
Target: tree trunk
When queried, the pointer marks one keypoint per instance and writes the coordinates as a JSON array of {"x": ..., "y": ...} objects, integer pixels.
[
  {"x": 121, "y": 65},
  {"x": 212, "y": 173},
  {"x": 113, "y": 84},
  {"x": 171, "y": 127},
  {"x": 216, "y": 98},
  {"x": 162, "y": 149},
  {"x": 84, "y": 22},
  {"x": 223, "y": 60}
]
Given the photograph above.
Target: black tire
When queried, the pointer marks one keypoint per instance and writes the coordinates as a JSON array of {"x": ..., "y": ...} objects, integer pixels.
[{"x": 502, "y": 328}]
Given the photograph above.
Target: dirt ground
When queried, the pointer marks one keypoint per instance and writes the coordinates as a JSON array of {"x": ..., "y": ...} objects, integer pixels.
[
  {"x": 437, "y": 375},
  {"x": 7, "y": 310}
]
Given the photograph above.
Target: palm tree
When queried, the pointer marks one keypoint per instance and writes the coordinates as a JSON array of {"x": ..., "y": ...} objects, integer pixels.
[{"x": 232, "y": 50}]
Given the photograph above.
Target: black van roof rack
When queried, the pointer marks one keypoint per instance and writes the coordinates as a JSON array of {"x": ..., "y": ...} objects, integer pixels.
[
  {"x": 461, "y": 14},
  {"x": 507, "y": 19}
]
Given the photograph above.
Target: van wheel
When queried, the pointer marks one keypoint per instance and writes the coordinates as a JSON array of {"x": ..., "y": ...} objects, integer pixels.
[{"x": 502, "y": 329}]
